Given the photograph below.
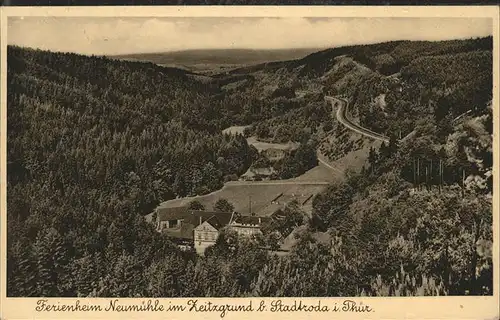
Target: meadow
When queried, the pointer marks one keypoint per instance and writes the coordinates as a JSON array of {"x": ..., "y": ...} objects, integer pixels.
[{"x": 259, "y": 194}]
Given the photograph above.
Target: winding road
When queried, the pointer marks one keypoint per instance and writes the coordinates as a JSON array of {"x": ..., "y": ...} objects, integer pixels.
[{"x": 343, "y": 118}]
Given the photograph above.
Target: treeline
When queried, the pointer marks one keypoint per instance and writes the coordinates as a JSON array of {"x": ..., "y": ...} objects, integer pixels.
[{"x": 389, "y": 57}]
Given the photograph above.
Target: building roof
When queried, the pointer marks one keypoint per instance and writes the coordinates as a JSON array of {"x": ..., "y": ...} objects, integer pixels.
[
  {"x": 196, "y": 217},
  {"x": 249, "y": 220},
  {"x": 174, "y": 213},
  {"x": 214, "y": 222},
  {"x": 185, "y": 232}
]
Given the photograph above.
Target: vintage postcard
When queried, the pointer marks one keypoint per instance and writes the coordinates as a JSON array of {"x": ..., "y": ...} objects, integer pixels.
[{"x": 236, "y": 163}]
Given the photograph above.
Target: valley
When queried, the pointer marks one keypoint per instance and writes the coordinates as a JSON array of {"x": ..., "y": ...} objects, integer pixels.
[
  {"x": 360, "y": 161},
  {"x": 216, "y": 61}
]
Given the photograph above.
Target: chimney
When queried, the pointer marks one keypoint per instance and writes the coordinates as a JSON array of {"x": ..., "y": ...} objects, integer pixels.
[
  {"x": 200, "y": 221},
  {"x": 250, "y": 204},
  {"x": 259, "y": 220}
]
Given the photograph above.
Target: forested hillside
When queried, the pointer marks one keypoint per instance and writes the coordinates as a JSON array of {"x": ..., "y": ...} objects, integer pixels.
[
  {"x": 391, "y": 86},
  {"x": 94, "y": 143}
]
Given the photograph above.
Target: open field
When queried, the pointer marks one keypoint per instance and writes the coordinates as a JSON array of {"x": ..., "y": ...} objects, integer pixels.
[
  {"x": 321, "y": 173},
  {"x": 354, "y": 159},
  {"x": 265, "y": 145},
  {"x": 257, "y": 195},
  {"x": 262, "y": 193},
  {"x": 235, "y": 130}
]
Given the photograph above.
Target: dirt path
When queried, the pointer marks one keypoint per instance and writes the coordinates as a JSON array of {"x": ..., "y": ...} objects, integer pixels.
[{"x": 324, "y": 161}]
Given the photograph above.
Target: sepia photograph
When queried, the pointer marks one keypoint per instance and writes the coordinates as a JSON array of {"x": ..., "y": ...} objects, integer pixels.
[{"x": 249, "y": 156}]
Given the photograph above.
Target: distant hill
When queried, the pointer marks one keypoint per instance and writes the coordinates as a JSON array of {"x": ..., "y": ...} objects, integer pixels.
[{"x": 210, "y": 59}]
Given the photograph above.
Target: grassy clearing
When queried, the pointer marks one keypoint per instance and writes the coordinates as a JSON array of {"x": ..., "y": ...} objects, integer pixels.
[
  {"x": 234, "y": 130},
  {"x": 349, "y": 150},
  {"x": 260, "y": 195},
  {"x": 320, "y": 173},
  {"x": 354, "y": 160},
  {"x": 265, "y": 145}
]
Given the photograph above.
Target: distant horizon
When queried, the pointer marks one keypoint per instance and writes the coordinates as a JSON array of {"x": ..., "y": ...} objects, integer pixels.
[
  {"x": 248, "y": 48},
  {"x": 105, "y": 36},
  {"x": 296, "y": 48}
]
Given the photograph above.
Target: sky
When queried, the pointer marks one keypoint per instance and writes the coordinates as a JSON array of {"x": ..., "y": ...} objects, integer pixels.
[{"x": 112, "y": 36}]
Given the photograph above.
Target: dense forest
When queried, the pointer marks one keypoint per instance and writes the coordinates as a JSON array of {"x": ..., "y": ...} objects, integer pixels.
[{"x": 95, "y": 143}]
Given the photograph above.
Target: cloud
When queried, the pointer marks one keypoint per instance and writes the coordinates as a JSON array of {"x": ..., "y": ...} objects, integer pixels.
[{"x": 132, "y": 35}]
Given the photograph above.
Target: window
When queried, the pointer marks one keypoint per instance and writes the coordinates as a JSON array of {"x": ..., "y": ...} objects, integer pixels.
[{"x": 172, "y": 223}]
